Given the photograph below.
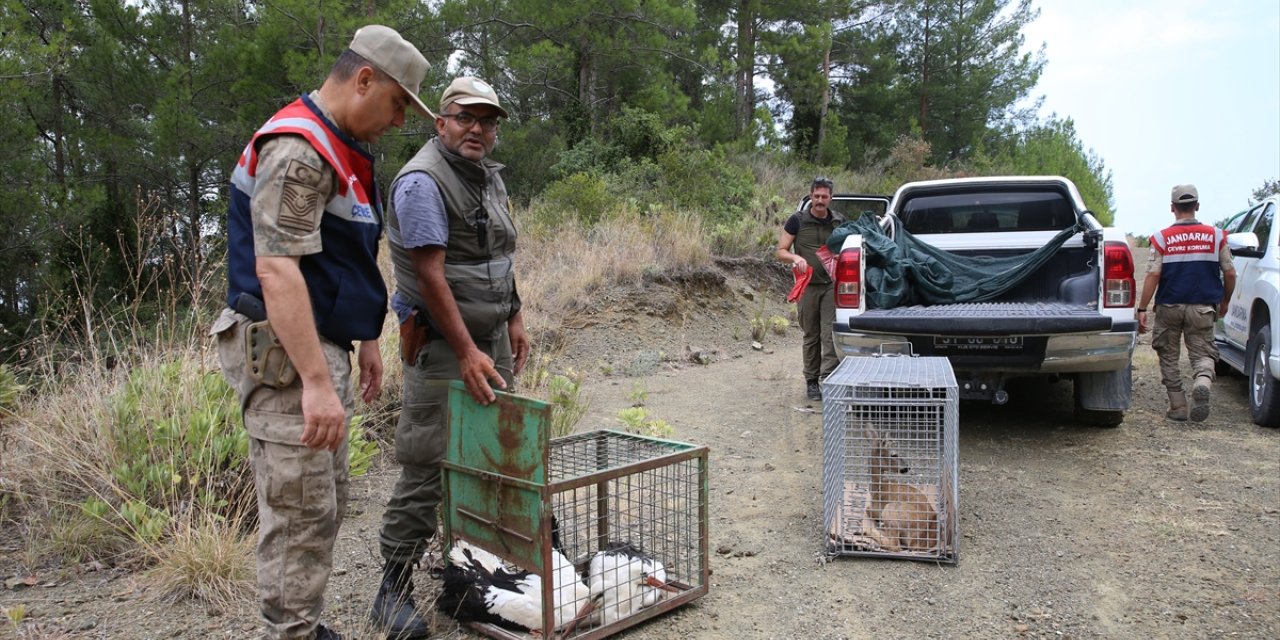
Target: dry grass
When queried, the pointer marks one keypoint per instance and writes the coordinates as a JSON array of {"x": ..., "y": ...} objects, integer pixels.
[
  {"x": 560, "y": 269},
  {"x": 208, "y": 560}
]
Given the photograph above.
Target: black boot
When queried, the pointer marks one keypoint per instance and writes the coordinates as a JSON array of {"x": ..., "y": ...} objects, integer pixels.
[
  {"x": 393, "y": 607},
  {"x": 325, "y": 633}
]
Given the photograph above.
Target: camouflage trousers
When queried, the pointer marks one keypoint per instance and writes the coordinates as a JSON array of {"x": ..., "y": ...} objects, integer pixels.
[
  {"x": 1189, "y": 323},
  {"x": 421, "y": 436},
  {"x": 302, "y": 492},
  {"x": 817, "y": 312}
]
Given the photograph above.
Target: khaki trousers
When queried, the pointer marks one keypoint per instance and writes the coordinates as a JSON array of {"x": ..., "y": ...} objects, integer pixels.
[
  {"x": 301, "y": 492},
  {"x": 1189, "y": 323}
]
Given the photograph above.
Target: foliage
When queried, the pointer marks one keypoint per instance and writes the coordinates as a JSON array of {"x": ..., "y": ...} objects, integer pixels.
[
  {"x": 10, "y": 389},
  {"x": 361, "y": 450},
  {"x": 1270, "y": 187},
  {"x": 1052, "y": 148},
  {"x": 581, "y": 198},
  {"x": 564, "y": 392},
  {"x": 636, "y": 420},
  {"x": 121, "y": 112},
  {"x": 778, "y": 324},
  {"x": 964, "y": 69},
  {"x": 174, "y": 435}
]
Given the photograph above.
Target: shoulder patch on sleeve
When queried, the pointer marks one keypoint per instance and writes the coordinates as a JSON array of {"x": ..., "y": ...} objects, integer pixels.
[
  {"x": 304, "y": 174},
  {"x": 300, "y": 207},
  {"x": 301, "y": 203}
]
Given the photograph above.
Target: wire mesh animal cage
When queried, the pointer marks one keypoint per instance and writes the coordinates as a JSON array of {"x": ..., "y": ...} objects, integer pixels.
[
  {"x": 629, "y": 513},
  {"x": 890, "y": 458}
]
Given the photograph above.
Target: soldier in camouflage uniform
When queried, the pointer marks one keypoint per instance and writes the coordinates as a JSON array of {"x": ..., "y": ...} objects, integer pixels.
[
  {"x": 302, "y": 234},
  {"x": 452, "y": 242},
  {"x": 1190, "y": 277}
]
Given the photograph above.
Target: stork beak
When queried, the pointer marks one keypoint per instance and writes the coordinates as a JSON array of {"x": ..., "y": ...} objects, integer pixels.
[
  {"x": 583, "y": 612},
  {"x": 658, "y": 584}
]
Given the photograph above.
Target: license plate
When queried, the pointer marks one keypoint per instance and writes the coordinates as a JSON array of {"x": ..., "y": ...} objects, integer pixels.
[{"x": 960, "y": 343}]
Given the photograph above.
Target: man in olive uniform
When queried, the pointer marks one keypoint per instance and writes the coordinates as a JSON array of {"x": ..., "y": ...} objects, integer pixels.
[
  {"x": 798, "y": 243},
  {"x": 302, "y": 240},
  {"x": 453, "y": 246}
]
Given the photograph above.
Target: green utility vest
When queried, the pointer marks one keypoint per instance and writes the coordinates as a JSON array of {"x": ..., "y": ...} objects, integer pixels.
[
  {"x": 813, "y": 233},
  {"x": 479, "y": 259}
]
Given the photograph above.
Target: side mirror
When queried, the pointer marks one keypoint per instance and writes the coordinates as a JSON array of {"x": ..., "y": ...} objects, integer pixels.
[{"x": 1244, "y": 244}]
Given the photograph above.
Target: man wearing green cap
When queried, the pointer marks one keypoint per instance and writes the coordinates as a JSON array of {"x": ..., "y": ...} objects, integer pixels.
[
  {"x": 303, "y": 289},
  {"x": 453, "y": 245}
]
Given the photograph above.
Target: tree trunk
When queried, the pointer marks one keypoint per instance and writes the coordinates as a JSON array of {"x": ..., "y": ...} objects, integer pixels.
[
  {"x": 826, "y": 101},
  {"x": 744, "y": 75},
  {"x": 59, "y": 159},
  {"x": 193, "y": 256},
  {"x": 586, "y": 86},
  {"x": 924, "y": 76}
]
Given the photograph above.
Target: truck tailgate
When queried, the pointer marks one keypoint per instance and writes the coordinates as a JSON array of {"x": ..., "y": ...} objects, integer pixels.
[{"x": 982, "y": 319}]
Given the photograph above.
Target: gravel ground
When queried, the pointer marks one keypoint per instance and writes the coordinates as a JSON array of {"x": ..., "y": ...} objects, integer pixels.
[{"x": 1151, "y": 530}]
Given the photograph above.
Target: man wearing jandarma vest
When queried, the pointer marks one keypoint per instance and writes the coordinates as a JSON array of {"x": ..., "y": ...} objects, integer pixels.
[
  {"x": 1190, "y": 277},
  {"x": 453, "y": 247},
  {"x": 304, "y": 286}
]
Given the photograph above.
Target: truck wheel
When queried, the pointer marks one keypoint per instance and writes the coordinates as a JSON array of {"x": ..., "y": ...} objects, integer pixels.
[
  {"x": 1108, "y": 388},
  {"x": 1097, "y": 418},
  {"x": 1264, "y": 391}
]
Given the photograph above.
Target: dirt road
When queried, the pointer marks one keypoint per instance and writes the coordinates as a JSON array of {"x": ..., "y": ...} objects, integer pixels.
[
  {"x": 1154, "y": 529},
  {"x": 1151, "y": 530}
]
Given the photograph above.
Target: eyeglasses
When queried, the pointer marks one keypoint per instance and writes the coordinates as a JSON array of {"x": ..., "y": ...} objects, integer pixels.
[{"x": 467, "y": 120}]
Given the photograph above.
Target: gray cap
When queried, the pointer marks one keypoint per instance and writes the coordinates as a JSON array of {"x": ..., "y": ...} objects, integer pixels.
[
  {"x": 394, "y": 56},
  {"x": 468, "y": 90},
  {"x": 1185, "y": 193}
]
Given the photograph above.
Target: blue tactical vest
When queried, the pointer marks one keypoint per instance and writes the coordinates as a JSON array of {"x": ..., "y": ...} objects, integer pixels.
[
  {"x": 1189, "y": 269},
  {"x": 348, "y": 295}
]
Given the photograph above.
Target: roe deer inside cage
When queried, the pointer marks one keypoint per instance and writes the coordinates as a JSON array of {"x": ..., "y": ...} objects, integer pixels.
[{"x": 890, "y": 457}]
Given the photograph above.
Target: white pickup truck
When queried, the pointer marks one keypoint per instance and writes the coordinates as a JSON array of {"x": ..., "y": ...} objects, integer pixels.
[
  {"x": 1248, "y": 338},
  {"x": 1072, "y": 317}
]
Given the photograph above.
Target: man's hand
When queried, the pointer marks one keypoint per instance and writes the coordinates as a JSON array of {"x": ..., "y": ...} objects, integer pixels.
[
  {"x": 1142, "y": 322},
  {"x": 370, "y": 360},
  {"x": 519, "y": 342},
  {"x": 477, "y": 371},
  {"x": 324, "y": 419},
  {"x": 800, "y": 265}
]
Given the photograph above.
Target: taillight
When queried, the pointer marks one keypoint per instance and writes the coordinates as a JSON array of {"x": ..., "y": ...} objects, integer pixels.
[
  {"x": 1118, "y": 286},
  {"x": 849, "y": 279}
]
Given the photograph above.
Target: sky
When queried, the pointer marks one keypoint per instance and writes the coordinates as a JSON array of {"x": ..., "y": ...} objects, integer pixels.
[{"x": 1167, "y": 92}]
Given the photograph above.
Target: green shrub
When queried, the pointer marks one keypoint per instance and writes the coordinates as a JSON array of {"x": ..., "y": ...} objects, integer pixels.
[
  {"x": 582, "y": 196},
  {"x": 361, "y": 450},
  {"x": 10, "y": 388},
  {"x": 636, "y": 420},
  {"x": 176, "y": 440},
  {"x": 704, "y": 180},
  {"x": 590, "y": 156},
  {"x": 564, "y": 392},
  {"x": 643, "y": 134},
  {"x": 175, "y": 437}
]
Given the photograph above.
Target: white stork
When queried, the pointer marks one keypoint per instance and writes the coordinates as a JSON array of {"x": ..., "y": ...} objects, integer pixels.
[
  {"x": 481, "y": 587},
  {"x": 623, "y": 580}
]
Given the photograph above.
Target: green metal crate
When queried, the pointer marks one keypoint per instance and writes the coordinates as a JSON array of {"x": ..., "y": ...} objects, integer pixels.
[{"x": 505, "y": 477}]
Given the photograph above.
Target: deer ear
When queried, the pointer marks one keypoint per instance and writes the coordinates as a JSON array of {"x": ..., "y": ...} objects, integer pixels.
[{"x": 872, "y": 433}]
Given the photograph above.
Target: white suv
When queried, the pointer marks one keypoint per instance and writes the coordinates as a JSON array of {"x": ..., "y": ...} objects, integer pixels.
[{"x": 1248, "y": 338}]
